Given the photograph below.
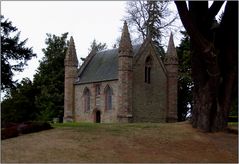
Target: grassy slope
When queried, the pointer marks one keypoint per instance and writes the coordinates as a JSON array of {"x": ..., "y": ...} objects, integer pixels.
[{"x": 146, "y": 142}]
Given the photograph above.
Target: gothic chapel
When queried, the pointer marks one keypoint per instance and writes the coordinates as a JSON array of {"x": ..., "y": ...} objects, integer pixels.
[{"x": 127, "y": 84}]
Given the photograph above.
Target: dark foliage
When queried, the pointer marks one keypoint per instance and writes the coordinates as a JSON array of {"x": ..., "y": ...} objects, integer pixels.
[
  {"x": 233, "y": 119},
  {"x": 30, "y": 127},
  {"x": 184, "y": 82},
  {"x": 49, "y": 79},
  {"x": 9, "y": 132},
  {"x": 14, "y": 54},
  {"x": 14, "y": 130},
  {"x": 19, "y": 106},
  {"x": 42, "y": 99}
]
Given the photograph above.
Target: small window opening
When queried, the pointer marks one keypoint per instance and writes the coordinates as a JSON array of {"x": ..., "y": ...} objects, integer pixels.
[
  {"x": 147, "y": 70},
  {"x": 97, "y": 89},
  {"x": 108, "y": 98},
  {"x": 87, "y": 99}
]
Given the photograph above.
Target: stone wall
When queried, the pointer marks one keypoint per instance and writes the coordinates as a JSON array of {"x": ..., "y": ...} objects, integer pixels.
[
  {"x": 70, "y": 74},
  {"x": 97, "y": 102},
  {"x": 172, "y": 92},
  {"x": 149, "y": 100}
]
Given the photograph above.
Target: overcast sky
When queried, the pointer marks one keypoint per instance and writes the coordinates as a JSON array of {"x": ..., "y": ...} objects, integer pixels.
[{"x": 84, "y": 20}]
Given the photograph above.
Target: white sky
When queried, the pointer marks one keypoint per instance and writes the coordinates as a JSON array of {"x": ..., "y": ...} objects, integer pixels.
[{"x": 84, "y": 20}]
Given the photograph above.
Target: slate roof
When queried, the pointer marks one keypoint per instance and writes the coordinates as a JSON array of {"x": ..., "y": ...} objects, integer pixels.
[{"x": 103, "y": 66}]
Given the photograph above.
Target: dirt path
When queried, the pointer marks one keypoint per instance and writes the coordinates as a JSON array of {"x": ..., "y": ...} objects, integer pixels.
[{"x": 176, "y": 142}]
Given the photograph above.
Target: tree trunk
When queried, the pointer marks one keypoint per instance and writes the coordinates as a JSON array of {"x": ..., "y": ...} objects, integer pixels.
[
  {"x": 214, "y": 64},
  {"x": 205, "y": 113}
]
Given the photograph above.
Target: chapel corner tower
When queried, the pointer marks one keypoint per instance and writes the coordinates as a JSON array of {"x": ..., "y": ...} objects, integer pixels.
[
  {"x": 171, "y": 64},
  {"x": 71, "y": 64},
  {"x": 125, "y": 76}
]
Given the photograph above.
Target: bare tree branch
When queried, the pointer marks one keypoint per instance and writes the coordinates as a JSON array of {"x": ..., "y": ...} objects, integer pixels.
[
  {"x": 195, "y": 35},
  {"x": 152, "y": 17}
]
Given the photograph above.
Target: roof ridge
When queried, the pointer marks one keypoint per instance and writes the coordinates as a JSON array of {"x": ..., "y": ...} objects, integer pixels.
[{"x": 86, "y": 62}]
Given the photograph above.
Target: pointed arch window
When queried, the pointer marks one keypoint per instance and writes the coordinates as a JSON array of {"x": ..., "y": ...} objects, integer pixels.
[
  {"x": 97, "y": 89},
  {"x": 87, "y": 99},
  {"x": 108, "y": 98},
  {"x": 147, "y": 70}
]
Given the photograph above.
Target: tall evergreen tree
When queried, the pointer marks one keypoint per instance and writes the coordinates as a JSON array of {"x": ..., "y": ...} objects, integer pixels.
[
  {"x": 14, "y": 53},
  {"x": 185, "y": 84},
  {"x": 19, "y": 104},
  {"x": 49, "y": 79}
]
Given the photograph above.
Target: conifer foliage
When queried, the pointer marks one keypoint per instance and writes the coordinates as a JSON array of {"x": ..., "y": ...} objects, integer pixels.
[
  {"x": 49, "y": 79},
  {"x": 97, "y": 46},
  {"x": 185, "y": 84},
  {"x": 19, "y": 104},
  {"x": 42, "y": 99},
  {"x": 14, "y": 53}
]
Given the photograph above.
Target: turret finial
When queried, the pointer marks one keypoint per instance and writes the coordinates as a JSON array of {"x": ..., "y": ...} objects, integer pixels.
[
  {"x": 171, "y": 56},
  {"x": 125, "y": 42},
  {"x": 171, "y": 48},
  {"x": 71, "y": 57}
]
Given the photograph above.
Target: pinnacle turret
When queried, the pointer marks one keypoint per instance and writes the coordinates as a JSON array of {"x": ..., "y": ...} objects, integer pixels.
[
  {"x": 171, "y": 56},
  {"x": 125, "y": 76},
  {"x": 171, "y": 65},
  {"x": 71, "y": 58},
  {"x": 71, "y": 64},
  {"x": 125, "y": 42},
  {"x": 171, "y": 48}
]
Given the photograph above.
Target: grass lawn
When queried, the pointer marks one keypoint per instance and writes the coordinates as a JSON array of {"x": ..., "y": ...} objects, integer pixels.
[
  {"x": 143, "y": 142},
  {"x": 233, "y": 123}
]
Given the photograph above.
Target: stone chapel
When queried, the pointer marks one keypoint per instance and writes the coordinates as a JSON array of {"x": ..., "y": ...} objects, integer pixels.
[{"x": 127, "y": 84}]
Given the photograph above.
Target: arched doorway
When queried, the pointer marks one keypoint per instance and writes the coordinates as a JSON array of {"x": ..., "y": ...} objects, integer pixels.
[{"x": 97, "y": 116}]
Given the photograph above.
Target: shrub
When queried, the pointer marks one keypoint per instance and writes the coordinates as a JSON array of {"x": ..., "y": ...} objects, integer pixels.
[
  {"x": 9, "y": 132},
  {"x": 29, "y": 127},
  {"x": 13, "y": 130},
  {"x": 25, "y": 128}
]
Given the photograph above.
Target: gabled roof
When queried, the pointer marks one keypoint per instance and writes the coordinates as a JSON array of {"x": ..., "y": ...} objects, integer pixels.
[
  {"x": 102, "y": 67},
  {"x": 146, "y": 44}
]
